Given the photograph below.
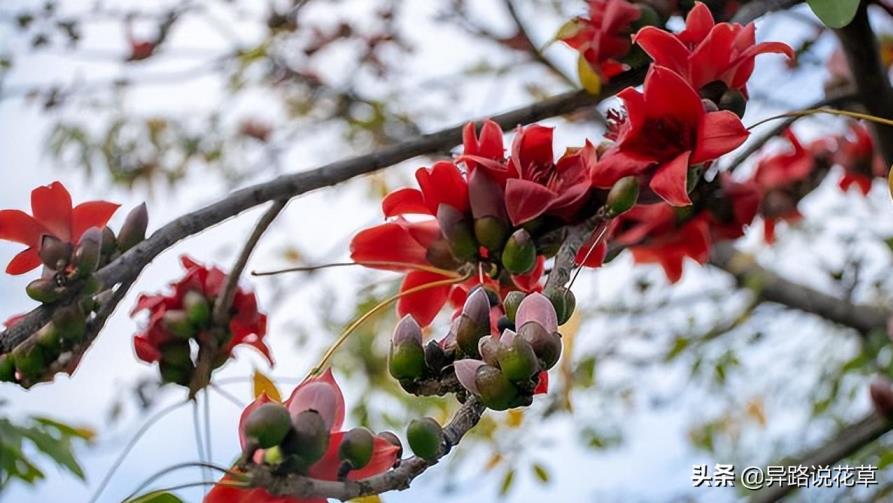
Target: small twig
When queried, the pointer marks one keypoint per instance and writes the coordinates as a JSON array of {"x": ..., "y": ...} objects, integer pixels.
[
  {"x": 225, "y": 300},
  {"x": 534, "y": 48}
]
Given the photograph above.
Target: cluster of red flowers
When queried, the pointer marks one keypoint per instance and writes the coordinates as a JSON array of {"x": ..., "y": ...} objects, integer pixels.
[
  {"x": 185, "y": 314},
  {"x": 602, "y": 37}
]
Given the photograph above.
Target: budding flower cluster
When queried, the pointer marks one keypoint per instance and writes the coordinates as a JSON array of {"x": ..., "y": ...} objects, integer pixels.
[{"x": 504, "y": 369}]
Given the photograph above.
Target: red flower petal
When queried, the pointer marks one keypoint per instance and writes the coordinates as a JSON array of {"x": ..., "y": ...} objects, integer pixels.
[
  {"x": 532, "y": 147},
  {"x": 423, "y": 305},
  {"x": 388, "y": 242},
  {"x": 19, "y": 227},
  {"x": 90, "y": 214},
  {"x": 443, "y": 183},
  {"x": 228, "y": 494},
  {"x": 542, "y": 383},
  {"x": 664, "y": 48},
  {"x": 145, "y": 350},
  {"x": 25, "y": 261},
  {"x": 384, "y": 455},
  {"x": 719, "y": 133},
  {"x": 404, "y": 201},
  {"x": 526, "y": 200},
  {"x": 669, "y": 96},
  {"x": 698, "y": 24},
  {"x": 309, "y": 398},
  {"x": 671, "y": 179},
  {"x": 51, "y": 206}
]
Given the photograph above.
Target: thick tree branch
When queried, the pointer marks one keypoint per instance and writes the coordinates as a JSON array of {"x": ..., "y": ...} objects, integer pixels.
[
  {"x": 773, "y": 288},
  {"x": 863, "y": 56},
  {"x": 842, "y": 445}
]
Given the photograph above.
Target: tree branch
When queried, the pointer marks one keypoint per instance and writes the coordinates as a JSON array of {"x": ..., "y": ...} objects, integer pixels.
[
  {"x": 773, "y": 288},
  {"x": 842, "y": 445},
  {"x": 863, "y": 56},
  {"x": 534, "y": 49}
]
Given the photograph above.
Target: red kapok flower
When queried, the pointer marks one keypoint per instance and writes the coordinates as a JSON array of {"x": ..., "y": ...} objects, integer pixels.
[
  {"x": 667, "y": 129},
  {"x": 246, "y": 324},
  {"x": 543, "y": 186},
  {"x": 859, "y": 159},
  {"x": 603, "y": 37},
  {"x": 706, "y": 52},
  {"x": 654, "y": 237},
  {"x": 323, "y": 395},
  {"x": 53, "y": 215}
]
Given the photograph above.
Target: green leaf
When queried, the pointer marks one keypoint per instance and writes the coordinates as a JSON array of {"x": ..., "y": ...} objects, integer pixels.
[
  {"x": 156, "y": 497},
  {"x": 834, "y": 13},
  {"x": 507, "y": 480},
  {"x": 58, "y": 451},
  {"x": 69, "y": 431},
  {"x": 541, "y": 473}
]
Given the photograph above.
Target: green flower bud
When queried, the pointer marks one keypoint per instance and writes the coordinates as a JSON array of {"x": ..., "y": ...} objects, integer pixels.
[
  {"x": 491, "y": 232},
  {"x": 308, "y": 439},
  {"x": 407, "y": 358},
  {"x": 564, "y": 301},
  {"x": 622, "y": 196},
  {"x": 457, "y": 231},
  {"x": 54, "y": 253},
  {"x": 133, "y": 231},
  {"x": 647, "y": 17},
  {"x": 109, "y": 242},
  {"x": 489, "y": 349},
  {"x": 49, "y": 340},
  {"x": 518, "y": 362},
  {"x": 177, "y": 353},
  {"x": 441, "y": 255},
  {"x": 198, "y": 309},
  {"x": 7, "y": 369},
  {"x": 88, "y": 252},
  {"x": 356, "y": 448},
  {"x": 733, "y": 101},
  {"x": 519, "y": 254},
  {"x": 546, "y": 346},
  {"x": 511, "y": 303},
  {"x": 495, "y": 390},
  {"x": 175, "y": 374},
  {"x": 268, "y": 425},
  {"x": 71, "y": 323},
  {"x": 177, "y": 322},
  {"x": 29, "y": 361},
  {"x": 425, "y": 438},
  {"x": 44, "y": 290}
]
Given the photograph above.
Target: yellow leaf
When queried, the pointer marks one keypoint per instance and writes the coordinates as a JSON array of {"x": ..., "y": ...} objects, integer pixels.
[
  {"x": 569, "y": 332},
  {"x": 514, "y": 418},
  {"x": 890, "y": 180},
  {"x": 589, "y": 78},
  {"x": 568, "y": 30},
  {"x": 367, "y": 499},
  {"x": 263, "y": 384},
  {"x": 756, "y": 411},
  {"x": 493, "y": 462}
]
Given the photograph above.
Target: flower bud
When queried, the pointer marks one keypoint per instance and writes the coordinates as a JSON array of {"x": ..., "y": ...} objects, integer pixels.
[
  {"x": 537, "y": 307},
  {"x": 7, "y": 368},
  {"x": 881, "y": 391},
  {"x": 733, "y": 101},
  {"x": 308, "y": 438},
  {"x": 489, "y": 348},
  {"x": 133, "y": 231},
  {"x": 29, "y": 361},
  {"x": 177, "y": 323},
  {"x": 70, "y": 322},
  {"x": 495, "y": 391},
  {"x": 425, "y": 438},
  {"x": 88, "y": 252},
  {"x": 564, "y": 301},
  {"x": 511, "y": 303},
  {"x": 519, "y": 253},
  {"x": 175, "y": 374},
  {"x": 267, "y": 425},
  {"x": 474, "y": 322},
  {"x": 466, "y": 371},
  {"x": 407, "y": 358},
  {"x": 486, "y": 197},
  {"x": 44, "y": 290},
  {"x": 198, "y": 309},
  {"x": 320, "y": 396},
  {"x": 518, "y": 362},
  {"x": 109, "y": 241},
  {"x": 356, "y": 448},
  {"x": 547, "y": 346},
  {"x": 177, "y": 353},
  {"x": 54, "y": 253},
  {"x": 622, "y": 196},
  {"x": 394, "y": 440},
  {"x": 713, "y": 92},
  {"x": 49, "y": 340},
  {"x": 435, "y": 357},
  {"x": 647, "y": 17},
  {"x": 457, "y": 230},
  {"x": 441, "y": 255},
  {"x": 491, "y": 232}
]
